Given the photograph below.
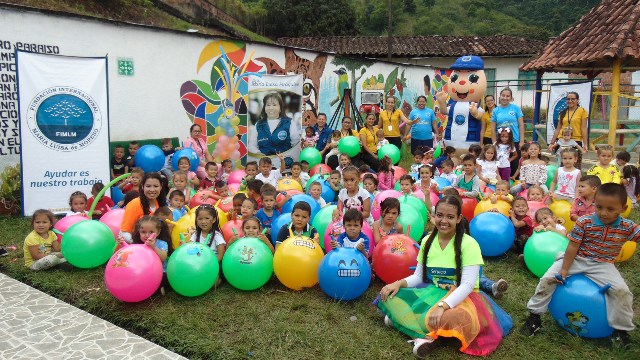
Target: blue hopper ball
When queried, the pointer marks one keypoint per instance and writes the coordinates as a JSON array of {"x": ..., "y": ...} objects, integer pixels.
[
  {"x": 278, "y": 223},
  {"x": 494, "y": 233},
  {"x": 344, "y": 274},
  {"x": 149, "y": 158}
]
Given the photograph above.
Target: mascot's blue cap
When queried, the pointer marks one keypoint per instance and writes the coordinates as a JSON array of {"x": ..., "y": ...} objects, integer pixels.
[{"x": 468, "y": 62}]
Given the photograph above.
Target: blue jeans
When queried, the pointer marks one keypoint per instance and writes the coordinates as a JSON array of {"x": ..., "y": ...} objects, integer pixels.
[{"x": 486, "y": 284}]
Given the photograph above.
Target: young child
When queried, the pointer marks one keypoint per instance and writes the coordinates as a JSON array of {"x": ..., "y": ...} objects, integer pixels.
[
  {"x": 184, "y": 164},
  {"x": 352, "y": 196},
  {"x": 236, "y": 212},
  {"x": 254, "y": 188},
  {"x": 209, "y": 181},
  {"x": 567, "y": 177},
  {"x": 296, "y": 171},
  {"x": 353, "y": 237},
  {"x": 345, "y": 161},
  {"x": 487, "y": 166},
  {"x": 622, "y": 159},
  {"x": 370, "y": 183},
  {"x": 426, "y": 185},
  {"x": 41, "y": 247},
  {"x": 532, "y": 172},
  {"x": 176, "y": 204},
  {"x": 427, "y": 158},
  {"x": 386, "y": 178},
  {"x": 335, "y": 181},
  {"x": 501, "y": 193},
  {"x": 166, "y": 215},
  {"x": 251, "y": 170},
  {"x": 631, "y": 182},
  {"x": 447, "y": 171},
  {"x": 249, "y": 208},
  {"x": 315, "y": 190},
  {"x": 133, "y": 181},
  {"x": 505, "y": 152},
  {"x": 310, "y": 138},
  {"x": 565, "y": 142},
  {"x": 524, "y": 155},
  {"x": 118, "y": 163},
  {"x": 78, "y": 204},
  {"x": 604, "y": 170},
  {"x": 168, "y": 150},
  {"x": 388, "y": 223},
  {"x": 181, "y": 183},
  {"x": 153, "y": 232},
  {"x": 267, "y": 175},
  {"x": 584, "y": 204},
  {"x": 519, "y": 214},
  {"x": 418, "y": 155},
  {"x": 268, "y": 213},
  {"x": 207, "y": 231},
  {"x": 468, "y": 180},
  {"x": 381, "y": 139},
  {"x": 535, "y": 193},
  {"x": 335, "y": 139},
  {"x": 448, "y": 153},
  {"x": 251, "y": 229},
  {"x": 299, "y": 225},
  {"x": 475, "y": 150},
  {"x": 105, "y": 204},
  {"x": 548, "y": 222},
  {"x": 133, "y": 149},
  {"x": 406, "y": 184},
  {"x": 304, "y": 173},
  {"x": 226, "y": 169},
  {"x": 594, "y": 244}
]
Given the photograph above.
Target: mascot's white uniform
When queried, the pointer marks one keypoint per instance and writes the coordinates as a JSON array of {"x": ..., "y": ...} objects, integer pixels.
[{"x": 467, "y": 86}]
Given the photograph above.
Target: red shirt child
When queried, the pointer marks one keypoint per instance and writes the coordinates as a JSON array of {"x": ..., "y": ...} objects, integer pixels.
[{"x": 104, "y": 205}]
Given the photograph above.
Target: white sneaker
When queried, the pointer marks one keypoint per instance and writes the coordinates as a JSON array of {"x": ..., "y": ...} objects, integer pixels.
[
  {"x": 499, "y": 287},
  {"x": 387, "y": 321},
  {"x": 422, "y": 347}
]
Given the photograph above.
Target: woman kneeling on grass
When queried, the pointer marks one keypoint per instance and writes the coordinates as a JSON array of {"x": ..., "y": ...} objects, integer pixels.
[{"x": 450, "y": 304}]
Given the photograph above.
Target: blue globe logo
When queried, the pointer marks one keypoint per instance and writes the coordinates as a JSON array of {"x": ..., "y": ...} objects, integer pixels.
[
  {"x": 64, "y": 118},
  {"x": 460, "y": 119}
]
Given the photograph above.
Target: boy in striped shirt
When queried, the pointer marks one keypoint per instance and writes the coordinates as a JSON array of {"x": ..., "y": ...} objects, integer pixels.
[{"x": 595, "y": 242}]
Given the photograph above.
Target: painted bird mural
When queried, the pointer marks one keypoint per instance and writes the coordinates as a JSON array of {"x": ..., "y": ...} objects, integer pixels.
[{"x": 343, "y": 83}]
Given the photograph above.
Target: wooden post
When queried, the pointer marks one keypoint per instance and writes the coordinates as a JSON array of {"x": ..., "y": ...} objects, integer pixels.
[{"x": 615, "y": 92}]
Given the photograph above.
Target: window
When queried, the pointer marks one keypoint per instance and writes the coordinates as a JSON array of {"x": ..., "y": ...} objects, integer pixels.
[{"x": 526, "y": 80}]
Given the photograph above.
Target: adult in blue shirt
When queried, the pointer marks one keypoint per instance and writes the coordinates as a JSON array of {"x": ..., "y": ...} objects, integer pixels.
[
  {"x": 509, "y": 115},
  {"x": 323, "y": 131},
  {"x": 423, "y": 124}
]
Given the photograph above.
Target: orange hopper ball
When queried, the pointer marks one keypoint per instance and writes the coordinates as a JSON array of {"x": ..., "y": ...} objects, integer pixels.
[
  {"x": 320, "y": 168},
  {"x": 225, "y": 204},
  {"x": 398, "y": 172},
  {"x": 197, "y": 199},
  {"x": 227, "y": 229}
]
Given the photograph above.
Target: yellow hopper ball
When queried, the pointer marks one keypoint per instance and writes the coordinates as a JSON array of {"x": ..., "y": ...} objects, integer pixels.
[
  {"x": 627, "y": 251},
  {"x": 288, "y": 184},
  {"x": 296, "y": 262},
  {"x": 625, "y": 214},
  {"x": 181, "y": 227},
  {"x": 486, "y": 205},
  {"x": 562, "y": 209}
]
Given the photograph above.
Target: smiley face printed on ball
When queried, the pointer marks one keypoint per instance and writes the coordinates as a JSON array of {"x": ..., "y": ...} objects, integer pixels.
[{"x": 353, "y": 270}]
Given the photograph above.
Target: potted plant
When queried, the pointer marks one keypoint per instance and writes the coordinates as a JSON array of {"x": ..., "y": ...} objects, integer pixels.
[{"x": 10, "y": 190}]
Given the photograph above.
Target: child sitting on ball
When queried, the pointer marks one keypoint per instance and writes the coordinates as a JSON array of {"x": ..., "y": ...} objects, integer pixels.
[
  {"x": 594, "y": 243},
  {"x": 299, "y": 225},
  {"x": 353, "y": 237}
]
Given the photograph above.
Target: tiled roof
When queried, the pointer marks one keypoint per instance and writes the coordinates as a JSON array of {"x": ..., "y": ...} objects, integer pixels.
[
  {"x": 419, "y": 46},
  {"x": 610, "y": 30}
]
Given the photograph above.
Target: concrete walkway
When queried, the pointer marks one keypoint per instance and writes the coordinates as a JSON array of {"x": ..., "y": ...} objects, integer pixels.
[{"x": 34, "y": 325}]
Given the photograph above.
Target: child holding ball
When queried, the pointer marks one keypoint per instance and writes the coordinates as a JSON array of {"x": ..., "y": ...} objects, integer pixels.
[
  {"x": 251, "y": 229},
  {"x": 353, "y": 237},
  {"x": 388, "y": 223}
]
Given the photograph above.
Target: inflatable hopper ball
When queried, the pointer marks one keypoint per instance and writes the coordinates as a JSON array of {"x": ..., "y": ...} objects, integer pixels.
[
  {"x": 133, "y": 273},
  {"x": 627, "y": 251},
  {"x": 398, "y": 172},
  {"x": 391, "y": 151},
  {"x": 66, "y": 222},
  {"x": 488, "y": 189},
  {"x": 225, "y": 204},
  {"x": 442, "y": 183},
  {"x": 116, "y": 194},
  {"x": 432, "y": 196},
  {"x": 533, "y": 207},
  {"x": 395, "y": 257},
  {"x": 494, "y": 233},
  {"x": 181, "y": 227},
  {"x": 562, "y": 209},
  {"x": 551, "y": 172},
  {"x": 541, "y": 250},
  {"x": 286, "y": 184},
  {"x": 233, "y": 188},
  {"x": 322, "y": 220},
  {"x": 88, "y": 244},
  {"x": 113, "y": 219},
  {"x": 247, "y": 264},
  {"x": 229, "y": 227},
  {"x": 236, "y": 176},
  {"x": 627, "y": 211},
  {"x": 344, "y": 274},
  {"x": 149, "y": 158},
  {"x": 485, "y": 205},
  {"x": 296, "y": 262},
  {"x": 335, "y": 229},
  {"x": 192, "y": 269},
  {"x": 312, "y": 156},
  {"x": 468, "y": 207},
  {"x": 197, "y": 199},
  {"x": 417, "y": 203},
  {"x": 282, "y": 195},
  {"x": 315, "y": 207},
  {"x": 349, "y": 145},
  {"x": 194, "y": 159},
  {"x": 375, "y": 207},
  {"x": 579, "y": 307},
  {"x": 320, "y": 169},
  {"x": 411, "y": 221},
  {"x": 277, "y": 224},
  {"x": 328, "y": 195}
]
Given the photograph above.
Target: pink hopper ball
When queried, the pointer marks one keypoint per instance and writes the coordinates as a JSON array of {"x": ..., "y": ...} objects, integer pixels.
[
  {"x": 375, "y": 207},
  {"x": 133, "y": 273},
  {"x": 63, "y": 224},
  {"x": 398, "y": 172},
  {"x": 236, "y": 176},
  {"x": 113, "y": 219}
]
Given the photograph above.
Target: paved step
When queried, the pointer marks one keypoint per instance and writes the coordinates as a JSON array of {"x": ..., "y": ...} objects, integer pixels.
[{"x": 34, "y": 325}]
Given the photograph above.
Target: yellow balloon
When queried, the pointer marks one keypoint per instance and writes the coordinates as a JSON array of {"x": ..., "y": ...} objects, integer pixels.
[
  {"x": 562, "y": 209},
  {"x": 222, "y": 216},
  {"x": 235, "y": 121},
  {"x": 288, "y": 184},
  {"x": 625, "y": 214},
  {"x": 181, "y": 227},
  {"x": 627, "y": 251},
  {"x": 486, "y": 205},
  {"x": 219, "y": 131},
  {"x": 296, "y": 262}
]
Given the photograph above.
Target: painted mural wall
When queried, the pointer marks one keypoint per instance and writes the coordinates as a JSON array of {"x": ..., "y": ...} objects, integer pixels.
[{"x": 161, "y": 82}]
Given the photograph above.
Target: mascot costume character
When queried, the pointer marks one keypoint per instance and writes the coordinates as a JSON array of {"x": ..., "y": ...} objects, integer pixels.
[{"x": 467, "y": 86}]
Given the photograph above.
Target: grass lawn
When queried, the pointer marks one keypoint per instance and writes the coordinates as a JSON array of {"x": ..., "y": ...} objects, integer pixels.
[{"x": 275, "y": 322}]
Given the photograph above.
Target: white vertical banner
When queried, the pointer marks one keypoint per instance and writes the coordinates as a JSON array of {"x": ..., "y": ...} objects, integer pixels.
[
  {"x": 64, "y": 128},
  {"x": 558, "y": 102},
  {"x": 275, "y": 118}
]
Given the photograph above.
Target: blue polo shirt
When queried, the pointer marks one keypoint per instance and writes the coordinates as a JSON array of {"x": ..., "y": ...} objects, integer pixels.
[
  {"x": 508, "y": 117},
  {"x": 423, "y": 129}
]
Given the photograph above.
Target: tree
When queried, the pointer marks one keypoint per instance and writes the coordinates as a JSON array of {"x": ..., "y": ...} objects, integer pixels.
[
  {"x": 409, "y": 6},
  {"x": 289, "y": 18}
]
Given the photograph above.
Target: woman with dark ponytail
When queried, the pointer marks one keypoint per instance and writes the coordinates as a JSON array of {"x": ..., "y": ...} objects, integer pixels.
[{"x": 451, "y": 304}]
